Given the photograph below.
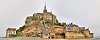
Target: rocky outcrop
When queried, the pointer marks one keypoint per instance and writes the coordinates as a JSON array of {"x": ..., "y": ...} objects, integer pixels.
[{"x": 36, "y": 26}]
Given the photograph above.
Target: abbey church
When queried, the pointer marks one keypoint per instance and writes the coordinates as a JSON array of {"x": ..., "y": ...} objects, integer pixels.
[{"x": 45, "y": 15}]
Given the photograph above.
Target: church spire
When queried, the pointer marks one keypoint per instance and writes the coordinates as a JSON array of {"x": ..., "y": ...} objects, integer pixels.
[{"x": 45, "y": 10}]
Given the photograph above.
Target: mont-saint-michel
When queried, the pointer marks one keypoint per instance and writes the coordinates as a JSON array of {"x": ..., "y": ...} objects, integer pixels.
[{"x": 46, "y": 25}]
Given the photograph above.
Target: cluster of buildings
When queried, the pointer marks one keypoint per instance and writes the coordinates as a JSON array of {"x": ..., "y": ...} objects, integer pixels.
[
  {"x": 67, "y": 32},
  {"x": 45, "y": 25}
]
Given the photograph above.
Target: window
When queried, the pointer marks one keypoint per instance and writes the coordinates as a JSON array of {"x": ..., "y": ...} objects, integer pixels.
[{"x": 69, "y": 29}]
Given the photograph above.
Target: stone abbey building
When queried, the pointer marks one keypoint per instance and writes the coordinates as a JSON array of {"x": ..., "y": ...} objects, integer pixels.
[{"x": 45, "y": 25}]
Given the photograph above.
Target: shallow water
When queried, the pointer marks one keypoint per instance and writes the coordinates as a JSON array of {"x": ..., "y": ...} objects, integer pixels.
[{"x": 25, "y": 38}]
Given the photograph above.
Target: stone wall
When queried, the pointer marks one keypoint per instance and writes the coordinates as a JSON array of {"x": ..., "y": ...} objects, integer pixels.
[{"x": 74, "y": 35}]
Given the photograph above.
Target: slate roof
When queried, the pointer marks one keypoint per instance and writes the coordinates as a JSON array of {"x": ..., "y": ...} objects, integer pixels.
[{"x": 45, "y": 31}]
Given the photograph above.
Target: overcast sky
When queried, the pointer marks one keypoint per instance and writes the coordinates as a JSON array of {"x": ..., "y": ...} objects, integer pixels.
[{"x": 85, "y": 13}]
